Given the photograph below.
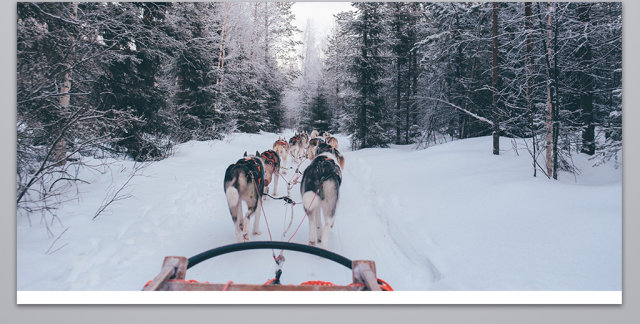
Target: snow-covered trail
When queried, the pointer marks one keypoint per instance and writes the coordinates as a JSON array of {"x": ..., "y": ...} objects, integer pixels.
[{"x": 452, "y": 217}]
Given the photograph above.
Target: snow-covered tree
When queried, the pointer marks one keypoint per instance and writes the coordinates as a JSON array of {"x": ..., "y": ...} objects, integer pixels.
[
  {"x": 370, "y": 115},
  {"x": 196, "y": 29},
  {"x": 318, "y": 115},
  {"x": 340, "y": 52}
]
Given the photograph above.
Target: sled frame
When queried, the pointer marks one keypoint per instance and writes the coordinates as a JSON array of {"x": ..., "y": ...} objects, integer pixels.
[{"x": 174, "y": 268}]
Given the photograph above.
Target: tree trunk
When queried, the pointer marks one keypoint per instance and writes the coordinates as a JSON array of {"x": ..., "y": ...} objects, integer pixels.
[
  {"x": 363, "y": 109},
  {"x": 585, "y": 82},
  {"x": 65, "y": 98},
  {"x": 528, "y": 13},
  {"x": 409, "y": 102},
  {"x": 494, "y": 83},
  {"x": 549, "y": 119},
  {"x": 252, "y": 52},
  {"x": 266, "y": 34},
  {"x": 398, "y": 104},
  {"x": 253, "y": 31},
  {"x": 222, "y": 53},
  {"x": 398, "y": 72},
  {"x": 556, "y": 105},
  {"x": 412, "y": 104}
]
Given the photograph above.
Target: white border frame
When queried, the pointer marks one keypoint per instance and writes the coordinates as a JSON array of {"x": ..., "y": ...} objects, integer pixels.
[{"x": 322, "y": 297}]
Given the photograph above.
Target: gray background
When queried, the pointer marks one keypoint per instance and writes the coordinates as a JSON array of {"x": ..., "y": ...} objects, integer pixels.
[{"x": 12, "y": 313}]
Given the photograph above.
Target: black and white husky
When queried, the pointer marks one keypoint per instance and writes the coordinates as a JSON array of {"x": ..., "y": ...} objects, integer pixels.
[
  {"x": 244, "y": 182},
  {"x": 320, "y": 190},
  {"x": 324, "y": 147}
]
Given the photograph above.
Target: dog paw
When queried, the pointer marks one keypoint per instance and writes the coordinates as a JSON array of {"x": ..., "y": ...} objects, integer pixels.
[
  {"x": 245, "y": 238},
  {"x": 257, "y": 232},
  {"x": 312, "y": 243}
]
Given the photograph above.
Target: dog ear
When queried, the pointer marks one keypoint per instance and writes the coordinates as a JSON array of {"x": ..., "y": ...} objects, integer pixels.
[
  {"x": 245, "y": 154},
  {"x": 257, "y": 153}
]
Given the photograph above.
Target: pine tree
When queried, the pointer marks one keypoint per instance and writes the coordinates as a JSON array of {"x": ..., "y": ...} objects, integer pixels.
[
  {"x": 129, "y": 83},
  {"x": 319, "y": 114},
  {"x": 340, "y": 52},
  {"x": 403, "y": 26},
  {"x": 194, "y": 28},
  {"x": 371, "y": 123}
]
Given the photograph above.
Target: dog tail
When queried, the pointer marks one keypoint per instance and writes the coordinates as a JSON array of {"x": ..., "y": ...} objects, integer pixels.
[
  {"x": 232, "y": 196},
  {"x": 310, "y": 200}
]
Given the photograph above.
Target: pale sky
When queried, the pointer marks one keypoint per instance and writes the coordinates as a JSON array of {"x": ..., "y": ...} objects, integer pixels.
[{"x": 321, "y": 14}]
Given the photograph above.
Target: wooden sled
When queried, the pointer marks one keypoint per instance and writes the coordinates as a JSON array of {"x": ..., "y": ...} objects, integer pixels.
[{"x": 174, "y": 268}]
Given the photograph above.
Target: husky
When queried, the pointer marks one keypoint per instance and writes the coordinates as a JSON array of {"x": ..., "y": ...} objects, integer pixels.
[
  {"x": 296, "y": 147},
  {"x": 324, "y": 147},
  {"x": 271, "y": 168},
  {"x": 332, "y": 141},
  {"x": 314, "y": 134},
  {"x": 244, "y": 182},
  {"x": 326, "y": 135},
  {"x": 311, "y": 149},
  {"x": 320, "y": 189},
  {"x": 282, "y": 148},
  {"x": 305, "y": 139}
]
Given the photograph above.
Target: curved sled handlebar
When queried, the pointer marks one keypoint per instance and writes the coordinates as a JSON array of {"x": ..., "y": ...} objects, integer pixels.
[{"x": 268, "y": 245}]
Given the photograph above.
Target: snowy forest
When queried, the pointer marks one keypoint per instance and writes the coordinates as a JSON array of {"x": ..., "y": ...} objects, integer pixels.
[
  {"x": 133, "y": 79},
  {"x": 418, "y": 72}
]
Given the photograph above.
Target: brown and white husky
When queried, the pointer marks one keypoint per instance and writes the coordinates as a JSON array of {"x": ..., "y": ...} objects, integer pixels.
[
  {"x": 282, "y": 148},
  {"x": 313, "y": 144},
  {"x": 332, "y": 141}
]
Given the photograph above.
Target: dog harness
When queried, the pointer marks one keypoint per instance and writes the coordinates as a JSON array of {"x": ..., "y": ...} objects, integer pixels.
[
  {"x": 271, "y": 158},
  {"x": 254, "y": 168},
  {"x": 316, "y": 141},
  {"x": 323, "y": 147},
  {"x": 327, "y": 167}
]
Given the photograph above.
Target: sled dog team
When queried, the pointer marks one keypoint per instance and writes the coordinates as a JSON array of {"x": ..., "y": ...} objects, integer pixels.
[{"x": 248, "y": 180}]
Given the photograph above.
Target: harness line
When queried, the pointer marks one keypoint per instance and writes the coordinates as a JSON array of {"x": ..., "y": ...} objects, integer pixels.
[
  {"x": 279, "y": 260},
  {"x": 294, "y": 181},
  {"x": 284, "y": 234},
  {"x": 263, "y": 213},
  {"x": 306, "y": 214}
]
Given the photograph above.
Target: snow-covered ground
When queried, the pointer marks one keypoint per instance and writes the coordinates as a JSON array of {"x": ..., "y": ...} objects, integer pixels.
[{"x": 450, "y": 217}]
